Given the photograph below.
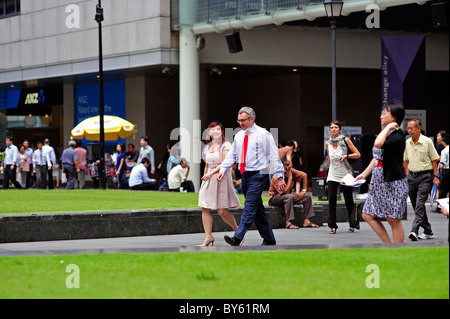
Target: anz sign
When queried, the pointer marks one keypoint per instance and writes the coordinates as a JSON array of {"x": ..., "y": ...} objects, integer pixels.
[{"x": 35, "y": 98}]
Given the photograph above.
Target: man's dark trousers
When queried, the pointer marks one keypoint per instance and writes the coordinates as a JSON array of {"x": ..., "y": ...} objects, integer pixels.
[
  {"x": 253, "y": 185},
  {"x": 50, "y": 177},
  {"x": 10, "y": 175},
  {"x": 419, "y": 188},
  {"x": 71, "y": 174}
]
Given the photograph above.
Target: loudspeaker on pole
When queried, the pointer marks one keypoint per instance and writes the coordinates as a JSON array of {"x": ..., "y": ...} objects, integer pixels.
[{"x": 234, "y": 42}]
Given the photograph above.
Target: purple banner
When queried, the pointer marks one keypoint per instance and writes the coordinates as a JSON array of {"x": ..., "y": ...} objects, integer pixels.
[{"x": 403, "y": 70}]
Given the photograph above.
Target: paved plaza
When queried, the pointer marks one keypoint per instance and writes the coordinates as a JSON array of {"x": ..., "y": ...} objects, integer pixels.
[{"x": 287, "y": 239}]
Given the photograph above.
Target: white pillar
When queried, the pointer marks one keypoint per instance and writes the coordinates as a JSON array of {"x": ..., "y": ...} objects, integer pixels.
[{"x": 190, "y": 128}]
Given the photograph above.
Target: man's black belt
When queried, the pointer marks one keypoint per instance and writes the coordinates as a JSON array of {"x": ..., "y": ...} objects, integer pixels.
[{"x": 421, "y": 173}]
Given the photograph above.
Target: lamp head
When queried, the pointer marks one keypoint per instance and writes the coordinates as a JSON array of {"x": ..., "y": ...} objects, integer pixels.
[
  {"x": 99, "y": 13},
  {"x": 333, "y": 8}
]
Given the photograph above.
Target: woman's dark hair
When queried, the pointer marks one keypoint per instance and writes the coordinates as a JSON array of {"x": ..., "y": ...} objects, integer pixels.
[
  {"x": 336, "y": 123},
  {"x": 122, "y": 148},
  {"x": 397, "y": 111},
  {"x": 209, "y": 138}
]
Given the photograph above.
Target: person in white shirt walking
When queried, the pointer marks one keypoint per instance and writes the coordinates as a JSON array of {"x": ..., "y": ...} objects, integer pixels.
[
  {"x": 10, "y": 162},
  {"x": 41, "y": 163},
  {"x": 255, "y": 150},
  {"x": 52, "y": 157}
]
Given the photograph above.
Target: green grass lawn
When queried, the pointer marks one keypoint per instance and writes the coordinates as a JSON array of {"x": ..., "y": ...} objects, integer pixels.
[
  {"x": 403, "y": 273},
  {"x": 43, "y": 201}
]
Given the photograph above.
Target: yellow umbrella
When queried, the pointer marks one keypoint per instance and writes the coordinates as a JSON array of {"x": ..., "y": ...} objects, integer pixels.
[{"x": 115, "y": 127}]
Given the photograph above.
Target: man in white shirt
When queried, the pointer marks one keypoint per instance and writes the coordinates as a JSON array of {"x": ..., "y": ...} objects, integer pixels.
[
  {"x": 52, "y": 157},
  {"x": 10, "y": 161},
  {"x": 254, "y": 167},
  {"x": 41, "y": 162},
  {"x": 178, "y": 177},
  {"x": 139, "y": 179}
]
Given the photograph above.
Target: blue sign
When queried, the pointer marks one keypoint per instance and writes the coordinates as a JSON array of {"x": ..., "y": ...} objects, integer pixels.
[
  {"x": 9, "y": 99},
  {"x": 87, "y": 103},
  {"x": 403, "y": 70}
]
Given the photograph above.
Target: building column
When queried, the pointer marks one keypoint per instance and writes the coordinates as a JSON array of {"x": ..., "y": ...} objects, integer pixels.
[
  {"x": 68, "y": 111},
  {"x": 135, "y": 108},
  {"x": 190, "y": 125}
]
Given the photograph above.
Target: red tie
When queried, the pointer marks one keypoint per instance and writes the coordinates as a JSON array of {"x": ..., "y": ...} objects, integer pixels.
[{"x": 243, "y": 154}]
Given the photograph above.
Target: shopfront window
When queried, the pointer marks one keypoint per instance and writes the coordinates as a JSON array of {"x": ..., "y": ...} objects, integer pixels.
[
  {"x": 9, "y": 8},
  {"x": 31, "y": 113}
]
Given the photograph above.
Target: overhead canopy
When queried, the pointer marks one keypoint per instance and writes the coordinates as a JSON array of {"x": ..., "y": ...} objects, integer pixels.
[{"x": 208, "y": 16}]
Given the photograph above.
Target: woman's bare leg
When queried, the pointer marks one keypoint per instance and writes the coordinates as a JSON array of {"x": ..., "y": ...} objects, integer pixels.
[
  {"x": 207, "y": 219},
  {"x": 398, "y": 233},
  {"x": 228, "y": 218},
  {"x": 377, "y": 227}
]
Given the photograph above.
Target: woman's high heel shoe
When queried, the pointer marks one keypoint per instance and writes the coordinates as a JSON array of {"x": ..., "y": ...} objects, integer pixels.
[{"x": 206, "y": 243}]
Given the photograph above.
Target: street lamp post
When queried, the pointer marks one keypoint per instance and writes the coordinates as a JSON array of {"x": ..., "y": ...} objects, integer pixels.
[
  {"x": 101, "y": 169},
  {"x": 333, "y": 9}
]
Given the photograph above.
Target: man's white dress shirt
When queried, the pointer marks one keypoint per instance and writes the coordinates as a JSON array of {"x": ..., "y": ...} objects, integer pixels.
[{"x": 261, "y": 152}]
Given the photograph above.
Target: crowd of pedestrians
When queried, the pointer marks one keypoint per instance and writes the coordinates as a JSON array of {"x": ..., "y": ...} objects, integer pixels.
[
  {"x": 29, "y": 166},
  {"x": 401, "y": 167}
]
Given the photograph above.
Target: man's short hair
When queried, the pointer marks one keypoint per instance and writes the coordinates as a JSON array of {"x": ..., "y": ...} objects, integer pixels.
[
  {"x": 145, "y": 138},
  {"x": 72, "y": 143},
  {"x": 417, "y": 122},
  {"x": 145, "y": 160},
  {"x": 250, "y": 112}
]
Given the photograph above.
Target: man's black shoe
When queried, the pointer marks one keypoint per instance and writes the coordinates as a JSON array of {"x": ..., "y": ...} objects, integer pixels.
[
  {"x": 264, "y": 243},
  {"x": 233, "y": 241}
]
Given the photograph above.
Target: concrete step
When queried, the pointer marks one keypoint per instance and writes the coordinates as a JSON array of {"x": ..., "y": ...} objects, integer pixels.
[{"x": 90, "y": 225}]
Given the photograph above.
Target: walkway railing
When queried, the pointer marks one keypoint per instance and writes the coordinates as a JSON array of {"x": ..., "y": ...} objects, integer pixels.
[{"x": 205, "y": 16}]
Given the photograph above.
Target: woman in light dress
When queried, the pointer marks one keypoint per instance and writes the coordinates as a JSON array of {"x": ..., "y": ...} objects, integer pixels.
[
  {"x": 214, "y": 195},
  {"x": 339, "y": 150}
]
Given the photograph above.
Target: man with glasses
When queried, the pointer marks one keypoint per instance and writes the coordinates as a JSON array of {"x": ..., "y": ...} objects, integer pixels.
[
  {"x": 420, "y": 162},
  {"x": 255, "y": 149}
]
